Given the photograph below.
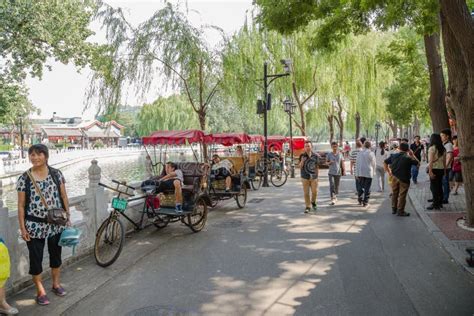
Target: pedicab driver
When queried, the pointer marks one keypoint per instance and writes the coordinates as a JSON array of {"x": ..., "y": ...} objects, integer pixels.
[
  {"x": 222, "y": 168},
  {"x": 309, "y": 176},
  {"x": 173, "y": 179}
]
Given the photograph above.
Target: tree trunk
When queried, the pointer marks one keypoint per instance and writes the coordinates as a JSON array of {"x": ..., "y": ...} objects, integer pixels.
[
  {"x": 339, "y": 120},
  {"x": 438, "y": 112},
  {"x": 416, "y": 127},
  {"x": 202, "y": 124},
  {"x": 330, "y": 119},
  {"x": 357, "y": 121},
  {"x": 458, "y": 40}
]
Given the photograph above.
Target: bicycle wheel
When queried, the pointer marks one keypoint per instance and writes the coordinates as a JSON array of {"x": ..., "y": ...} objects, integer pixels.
[
  {"x": 161, "y": 221},
  {"x": 278, "y": 177},
  {"x": 241, "y": 198},
  {"x": 109, "y": 241},
  {"x": 257, "y": 182},
  {"x": 213, "y": 197},
  {"x": 198, "y": 218}
]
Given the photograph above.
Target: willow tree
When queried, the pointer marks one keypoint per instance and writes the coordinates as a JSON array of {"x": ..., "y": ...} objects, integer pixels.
[
  {"x": 166, "y": 114},
  {"x": 340, "y": 18},
  {"x": 243, "y": 60},
  {"x": 407, "y": 96},
  {"x": 166, "y": 47}
]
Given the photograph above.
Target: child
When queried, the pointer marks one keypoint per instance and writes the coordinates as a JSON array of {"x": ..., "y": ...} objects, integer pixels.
[{"x": 5, "y": 308}]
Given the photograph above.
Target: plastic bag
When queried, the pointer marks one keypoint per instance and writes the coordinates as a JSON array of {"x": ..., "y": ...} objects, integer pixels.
[{"x": 4, "y": 262}]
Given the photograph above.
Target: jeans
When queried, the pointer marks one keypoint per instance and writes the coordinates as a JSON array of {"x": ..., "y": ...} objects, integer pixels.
[
  {"x": 334, "y": 185},
  {"x": 414, "y": 173},
  {"x": 364, "y": 189},
  {"x": 357, "y": 185},
  {"x": 380, "y": 174},
  {"x": 445, "y": 188}
]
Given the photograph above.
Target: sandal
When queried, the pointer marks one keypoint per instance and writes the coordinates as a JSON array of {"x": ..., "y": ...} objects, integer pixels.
[{"x": 10, "y": 311}]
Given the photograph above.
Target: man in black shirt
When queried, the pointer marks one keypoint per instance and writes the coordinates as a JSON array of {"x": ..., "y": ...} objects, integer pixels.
[
  {"x": 400, "y": 171},
  {"x": 417, "y": 149},
  {"x": 309, "y": 176}
]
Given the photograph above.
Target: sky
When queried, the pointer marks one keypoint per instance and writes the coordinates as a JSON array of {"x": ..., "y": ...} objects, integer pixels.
[{"x": 62, "y": 90}]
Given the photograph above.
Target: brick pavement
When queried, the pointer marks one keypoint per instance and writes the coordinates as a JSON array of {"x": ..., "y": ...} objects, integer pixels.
[{"x": 443, "y": 223}]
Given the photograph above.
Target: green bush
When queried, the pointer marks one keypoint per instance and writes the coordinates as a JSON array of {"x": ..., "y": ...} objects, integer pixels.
[
  {"x": 98, "y": 144},
  {"x": 5, "y": 147}
]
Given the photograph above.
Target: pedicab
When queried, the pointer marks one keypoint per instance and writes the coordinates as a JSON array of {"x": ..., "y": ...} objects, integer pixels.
[
  {"x": 255, "y": 174},
  {"x": 274, "y": 163},
  {"x": 239, "y": 181},
  {"x": 158, "y": 206}
]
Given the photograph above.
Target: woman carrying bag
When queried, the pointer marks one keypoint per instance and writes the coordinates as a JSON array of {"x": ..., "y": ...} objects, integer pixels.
[{"x": 43, "y": 214}]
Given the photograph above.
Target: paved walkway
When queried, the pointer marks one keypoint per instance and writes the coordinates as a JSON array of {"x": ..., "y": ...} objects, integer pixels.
[
  {"x": 442, "y": 224},
  {"x": 271, "y": 259}
]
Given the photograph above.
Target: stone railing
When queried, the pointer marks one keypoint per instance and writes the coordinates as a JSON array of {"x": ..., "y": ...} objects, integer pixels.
[{"x": 87, "y": 213}]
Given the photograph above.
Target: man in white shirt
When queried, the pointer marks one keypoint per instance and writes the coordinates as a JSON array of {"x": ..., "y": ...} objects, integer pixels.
[{"x": 365, "y": 167}]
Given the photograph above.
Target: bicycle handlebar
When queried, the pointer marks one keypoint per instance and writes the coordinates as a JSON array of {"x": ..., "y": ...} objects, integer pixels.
[
  {"x": 123, "y": 183},
  {"x": 114, "y": 189}
]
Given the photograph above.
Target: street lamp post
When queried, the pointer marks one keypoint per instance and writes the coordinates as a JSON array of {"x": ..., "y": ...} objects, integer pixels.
[
  {"x": 377, "y": 128},
  {"x": 289, "y": 108},
  {"x": 266, "y": 107}
]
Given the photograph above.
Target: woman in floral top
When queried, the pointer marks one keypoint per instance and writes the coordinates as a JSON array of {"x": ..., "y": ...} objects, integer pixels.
[{"x": 32, "y": 214}]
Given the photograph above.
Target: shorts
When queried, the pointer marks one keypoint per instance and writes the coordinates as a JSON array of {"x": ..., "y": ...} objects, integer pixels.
[
  {"x": 167, "y": 185},
  {"x": 221, "y": 173},
  {"x": 36, "y": 248}
]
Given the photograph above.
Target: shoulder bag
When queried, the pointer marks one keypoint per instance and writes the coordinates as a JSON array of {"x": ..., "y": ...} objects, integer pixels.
[{"x": 56, "y": 216}]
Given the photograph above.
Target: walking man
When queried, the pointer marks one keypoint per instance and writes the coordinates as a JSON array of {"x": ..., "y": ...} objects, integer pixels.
[
  {"x": 309, "y": 176},
  {"x": 418, "y": 150},
  {"x": 448, "y": 145},
  {"x": 365, "y": 167},
  {"x": 336, "y": 170},
  {"x": 399, "y": 167}
]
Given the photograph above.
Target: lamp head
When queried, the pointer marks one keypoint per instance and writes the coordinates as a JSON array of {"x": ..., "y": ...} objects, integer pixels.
[{"x": 286, "y": 65}]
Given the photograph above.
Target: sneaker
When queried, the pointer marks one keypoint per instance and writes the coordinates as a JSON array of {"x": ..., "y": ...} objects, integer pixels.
[
  {"x": 307, "y": 210},
  {"x": 59, "y": 291},
  {"x": 403, "y": 214},
  {"x": 42, "y": 300},
  {"x": 430, "y": 200},
  {"x": 394, "y": 210},
  {"x": 315, "y": 207},
  {"x": 333, "y": 202},
  {"x": 178, "y": 208},
  {"x": 445, "y": 202},
  {"x": 227, "y": 190},
  {"x": 365, "y": 204}
]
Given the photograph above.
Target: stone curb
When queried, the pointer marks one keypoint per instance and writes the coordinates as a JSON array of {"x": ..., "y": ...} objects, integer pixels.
[{"x": 456, "y": 254}]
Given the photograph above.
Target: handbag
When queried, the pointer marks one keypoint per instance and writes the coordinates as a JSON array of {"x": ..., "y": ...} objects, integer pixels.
[{"x": 56, "y": 216}]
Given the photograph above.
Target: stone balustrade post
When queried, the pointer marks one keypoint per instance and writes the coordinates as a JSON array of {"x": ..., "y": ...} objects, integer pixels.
[{"x": 96, "y": 197}]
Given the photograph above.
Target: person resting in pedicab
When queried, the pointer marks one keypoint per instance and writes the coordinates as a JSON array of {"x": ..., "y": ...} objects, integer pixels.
[
  {"x": 221, "y": 169},
  {"x": 275, "y": 156},
  {"x": 172, "y": 179}
]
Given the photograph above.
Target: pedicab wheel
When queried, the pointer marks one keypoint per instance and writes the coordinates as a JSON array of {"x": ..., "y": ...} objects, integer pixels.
[
  {"x": 279, "y": 177},
  {"x": 109, "y": 241},
  {"x": 241, "y": 198},
  {"x": 161, "y": 221},
  {"x": 213, "y": 198},
  {"x": 256, "y": 182},
  {"x": 198, "y": 218}
]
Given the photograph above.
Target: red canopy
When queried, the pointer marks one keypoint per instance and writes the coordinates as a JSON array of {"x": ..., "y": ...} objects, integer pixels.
[
  {"x": 276, "y": 141},
  {"x": 227, "y": 139},
  {"x": 298, "y": 142},
  {"x": 174, "y": 137},
  {"x": 256, "y": 138}
]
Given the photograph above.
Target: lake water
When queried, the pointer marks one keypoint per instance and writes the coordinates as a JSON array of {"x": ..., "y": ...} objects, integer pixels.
[{"x": 126, "y": 168}]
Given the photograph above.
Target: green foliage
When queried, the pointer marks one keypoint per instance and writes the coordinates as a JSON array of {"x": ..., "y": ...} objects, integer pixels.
[
  {"x": 14, "y": 102},
  {"x": 164, "y": 44},
  {"x": 408, "y": 95},
  {"x": 33, "y": 31},
  {"x": 98, "y": 144},
  {"x": 337, "y": 19},
  {"x": 171, "y": 113}
]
